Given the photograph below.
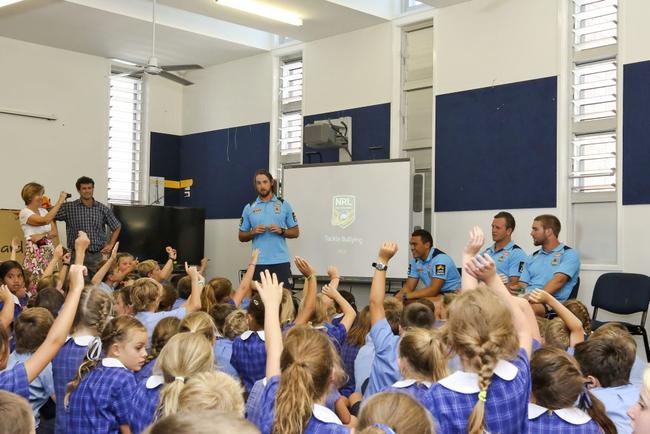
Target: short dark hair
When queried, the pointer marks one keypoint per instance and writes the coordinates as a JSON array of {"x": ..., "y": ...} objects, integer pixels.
[
  {"x": 49, "y": 298},
  {"x": 256, "y": 309},
  {"x": 551, "y": 222},
  {"x": 418, "y": 315},
  {"x": 84, "y": 180},
  {"x": 424, "y": 235},
  {"x": 220, "y": 312},
  {"x": 510, "y": 220},
  {"x": 349, "y": 297},
  {"x": 609, "y": 360}
]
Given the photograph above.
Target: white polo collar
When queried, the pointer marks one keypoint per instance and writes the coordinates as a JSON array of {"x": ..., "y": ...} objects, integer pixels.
[
  {"x": 249, "y": 333},
  {"x": 572, "y": 415},
  {"x": 82, "y": 341},
  {"x": 325, "y": 415},
  {"x": 154, "y": 381},
  {"x": 338, "y": 315},
  {"x": 467, "y": 382},
  {"x": 111, "y": 362},
  {"x": 16, "y": 301},
  {"x": 406, "y": 383}
]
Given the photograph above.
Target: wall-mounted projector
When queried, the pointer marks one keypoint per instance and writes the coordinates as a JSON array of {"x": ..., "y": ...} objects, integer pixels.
[{"x": 325, "y": 136}]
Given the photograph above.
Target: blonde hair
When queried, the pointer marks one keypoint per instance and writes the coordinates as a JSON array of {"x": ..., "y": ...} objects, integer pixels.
[
  {"x": 162, "y": 333},
  {"x": 480, "y": 331},
  {"x": 556, "y": 334},
  {"x": 47, "y": 282},
  {"x": 580, "y": 311},
  {"x": 319, "y": 315},
  {"x": 199, "y": 322},
  {"x": 145, "y": 268},
  {"x": 287, "y": 308},
  {"x": 216, "y": 291},
  {"x": 184, "y": 356},
  {"x": 144, "y": 293},
  {"x": 398, "y": 411},
  {"x": 359, "y": 331},
  {"x": 212, "y": 391},
  {"x": 30, "y": 190},
  {"x": 94, "y": 310},
  {"x": 202, "y": 422},
  {"x": 16, "y": 409},
  {"x": 424, "y": 351},
  {"x": 117, "y": 330},
  {"x": 236, "y": 323},
  {"x": 306, "y": 363}
]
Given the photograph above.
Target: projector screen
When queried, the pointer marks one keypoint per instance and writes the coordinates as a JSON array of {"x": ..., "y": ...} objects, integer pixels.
[{"x": 345, "y": 211}]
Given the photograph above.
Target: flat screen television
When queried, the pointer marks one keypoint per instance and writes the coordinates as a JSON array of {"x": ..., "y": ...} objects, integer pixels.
[{"x": 148, "y": 229}]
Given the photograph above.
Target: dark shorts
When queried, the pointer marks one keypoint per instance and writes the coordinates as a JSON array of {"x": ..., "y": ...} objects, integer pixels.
[{"x": 283, "y": 271}]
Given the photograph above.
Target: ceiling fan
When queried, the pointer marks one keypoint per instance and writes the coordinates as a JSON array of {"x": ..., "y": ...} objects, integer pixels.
[{"x": 152, "y": 67}]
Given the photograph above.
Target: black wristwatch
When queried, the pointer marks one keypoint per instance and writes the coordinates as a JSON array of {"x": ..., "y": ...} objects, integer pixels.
[
  {"x": 379, "y": 266},
  {"x": 282, "y": 230}
]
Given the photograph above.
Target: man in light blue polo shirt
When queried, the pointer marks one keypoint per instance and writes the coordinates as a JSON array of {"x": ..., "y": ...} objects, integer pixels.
[
  {"x": 554, "y": 267},
  {"x": 509, "y": 257},
  {"x": 433, "y": 267},
  {"x": 268, "y": 221}
]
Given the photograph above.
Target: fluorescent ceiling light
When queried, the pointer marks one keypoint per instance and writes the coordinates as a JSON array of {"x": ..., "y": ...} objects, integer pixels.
[
  {"x": 8, "y": 2},
  {"x": 263, "y": 10},
  {"x": 124, "y": 62}
]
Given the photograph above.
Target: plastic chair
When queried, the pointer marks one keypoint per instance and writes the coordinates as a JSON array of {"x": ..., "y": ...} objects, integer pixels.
[{"x": 623, "y": 294}]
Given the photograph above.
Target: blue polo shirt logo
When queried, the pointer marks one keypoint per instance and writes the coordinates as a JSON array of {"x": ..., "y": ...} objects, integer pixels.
[{"x": 441, "y": 269}]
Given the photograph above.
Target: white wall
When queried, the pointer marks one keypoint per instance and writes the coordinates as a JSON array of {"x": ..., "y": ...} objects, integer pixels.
[
  {"x": 348, "y": 71},
  {"x": 165, "y": 106}
]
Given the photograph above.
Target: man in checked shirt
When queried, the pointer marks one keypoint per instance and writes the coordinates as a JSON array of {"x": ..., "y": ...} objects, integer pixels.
[{"x": 88, "y": 215}]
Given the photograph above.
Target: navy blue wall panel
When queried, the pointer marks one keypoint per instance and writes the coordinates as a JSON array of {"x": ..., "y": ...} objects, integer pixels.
[
  {"x": 636, "y": 133},
  {"x": 370, "y": 128},
  {"x": 496, "y": 147},
  {"x": 164, "y": 156},
  {"x": 222, "y": 164}
]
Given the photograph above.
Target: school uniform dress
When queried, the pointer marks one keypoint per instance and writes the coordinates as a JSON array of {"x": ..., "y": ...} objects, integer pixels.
[
  {"x": 64, "y": 368},
  {"x": 249, "y": 357},
  {"x": 453, "y": 398},
  {"x": 15, "y": 381},
  {"x": 336, "y": 319},
  {"x": 348, "y": 355},
  {"x": 146, "y": 371},
  {"x": 417, "y": 389},
  {"x": 336, "y": 333},
  {"x": 222, "y": 354},
  {"x": 145, "y": 402},
  {"x": 385, "y": 370},
  {"x": 323, "y": 420},
  {"x": 253, "y": 407},
  {"x": 40, "y": 389},
  {"x": 102, "y": 400},
  {"x": 563, "y": 421}
]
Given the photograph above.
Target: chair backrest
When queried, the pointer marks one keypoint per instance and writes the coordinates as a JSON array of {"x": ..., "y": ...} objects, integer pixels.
[
  {"x": 622, "y": 293},
  {"x": 574, "y": 290}
]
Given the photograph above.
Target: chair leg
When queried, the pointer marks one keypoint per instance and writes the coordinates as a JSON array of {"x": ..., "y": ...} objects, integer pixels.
[{"x": 645, "y": 342}]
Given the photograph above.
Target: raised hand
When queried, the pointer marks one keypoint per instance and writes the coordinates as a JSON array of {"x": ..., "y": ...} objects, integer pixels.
[
  {"x": 5, "y": 294},
  {"x": 114, "y": 250},
  {"x": 333, "y": 272},
  {"x": 254, "y": 255},
  {"x": 82, "y": 242},
  {"x": 387, "y": 251},
  {"x": 539, "y": 296},
  {"x": 204, "y": 262},
  {"x": 15, "y": 243},
  {"x": 77, "y": 273},
  {"x": 475, "y": 242},
  {"x": 191, "y": 271},
  {"x": 171, "y": 252},
  {"x": 330, "y": 291},
  {"x": 58, "y": 252},
  {"x": 304, "y": 267},
  {"x": 62, "y": 197},
  {"x": 269, "y": 289},
  {"x": 482, "y": 267}
]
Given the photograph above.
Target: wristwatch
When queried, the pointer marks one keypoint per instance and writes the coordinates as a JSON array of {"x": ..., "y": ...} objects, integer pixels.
[
  {"x": 282, "y": 230},
  {"x": 379, "y": 266}
]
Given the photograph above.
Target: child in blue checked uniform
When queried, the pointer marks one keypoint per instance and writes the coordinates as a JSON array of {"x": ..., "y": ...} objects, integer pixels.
[
  {"x": 162, "y": 333},
  {"x": 557, "y": 385},
  {"x": 98, "y": 399},
  {"x": 185, "y": 355},
  {"x": 17, "y": 379},
  {"x": 299, "y": 374},
  {"x": 490, "y": 332},
  {"x": 248, "y": 350}
]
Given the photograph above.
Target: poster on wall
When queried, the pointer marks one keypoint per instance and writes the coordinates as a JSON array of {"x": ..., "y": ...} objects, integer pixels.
[{"x": 9, "y": 228}]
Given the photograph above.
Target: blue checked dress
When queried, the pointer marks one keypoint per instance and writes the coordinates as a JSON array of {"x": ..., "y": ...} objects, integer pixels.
[
  {"x": 418, "y": 390},
  {"x": 563, "y": 421},
  {"x": 145, "y": 402},
  {"x": 15, "y": 381},
  {"x": 249, "y": 357}
]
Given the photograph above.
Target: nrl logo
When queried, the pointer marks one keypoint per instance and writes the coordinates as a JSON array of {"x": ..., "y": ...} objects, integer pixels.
[{"x": 343, "y": 211}]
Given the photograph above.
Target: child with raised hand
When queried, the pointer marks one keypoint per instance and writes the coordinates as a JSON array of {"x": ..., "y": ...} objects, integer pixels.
[
  {"x": 146, "y": 294},
  {"x": 576, "y": 331},
  {"x": 392, "y": 413},
  {"x": 165, "y": 329},
  {"x": 219, "y": 289},
  {"x": 298, "y": 374},
  {"x": 489, "y": 332},
  {"x": 355, "y": 339},
  {"x": 106, "y": 276},
  {"x": 309, "y": 295},
  {"x": 17, "y": 379},
  {"x": 185, "y": 355},
  {"x": 339, "y": 330},
  {"x": 98, "y": 399},
  {"x": 558, "y": 385}
]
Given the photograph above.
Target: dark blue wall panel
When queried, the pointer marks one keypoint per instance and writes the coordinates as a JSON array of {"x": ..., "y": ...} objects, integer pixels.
[
  {"x": 164, "y": 156},
  {"x": 222, "y": 164},
  {"x": 370, "y": 129},
  {"x": 636, "y": 133},
  {"x": 496, "y": 147}
]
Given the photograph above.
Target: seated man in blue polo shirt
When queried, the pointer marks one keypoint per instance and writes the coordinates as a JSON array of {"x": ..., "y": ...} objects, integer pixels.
[
  {"x": 433, "y": 267},
  {"x": 509, "y": 257},
  {"x": 553, "y": 268}
]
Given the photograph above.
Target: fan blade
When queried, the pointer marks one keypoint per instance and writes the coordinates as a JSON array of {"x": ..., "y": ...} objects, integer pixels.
[
  {"x": 134, "y": 74},
  {"x": 175, "y": 78},
  {"x": 180, "y": 67}
]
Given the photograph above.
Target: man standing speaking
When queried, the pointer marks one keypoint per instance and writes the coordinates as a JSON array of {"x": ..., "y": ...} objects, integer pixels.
[{"x": 268, "y": 221}]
